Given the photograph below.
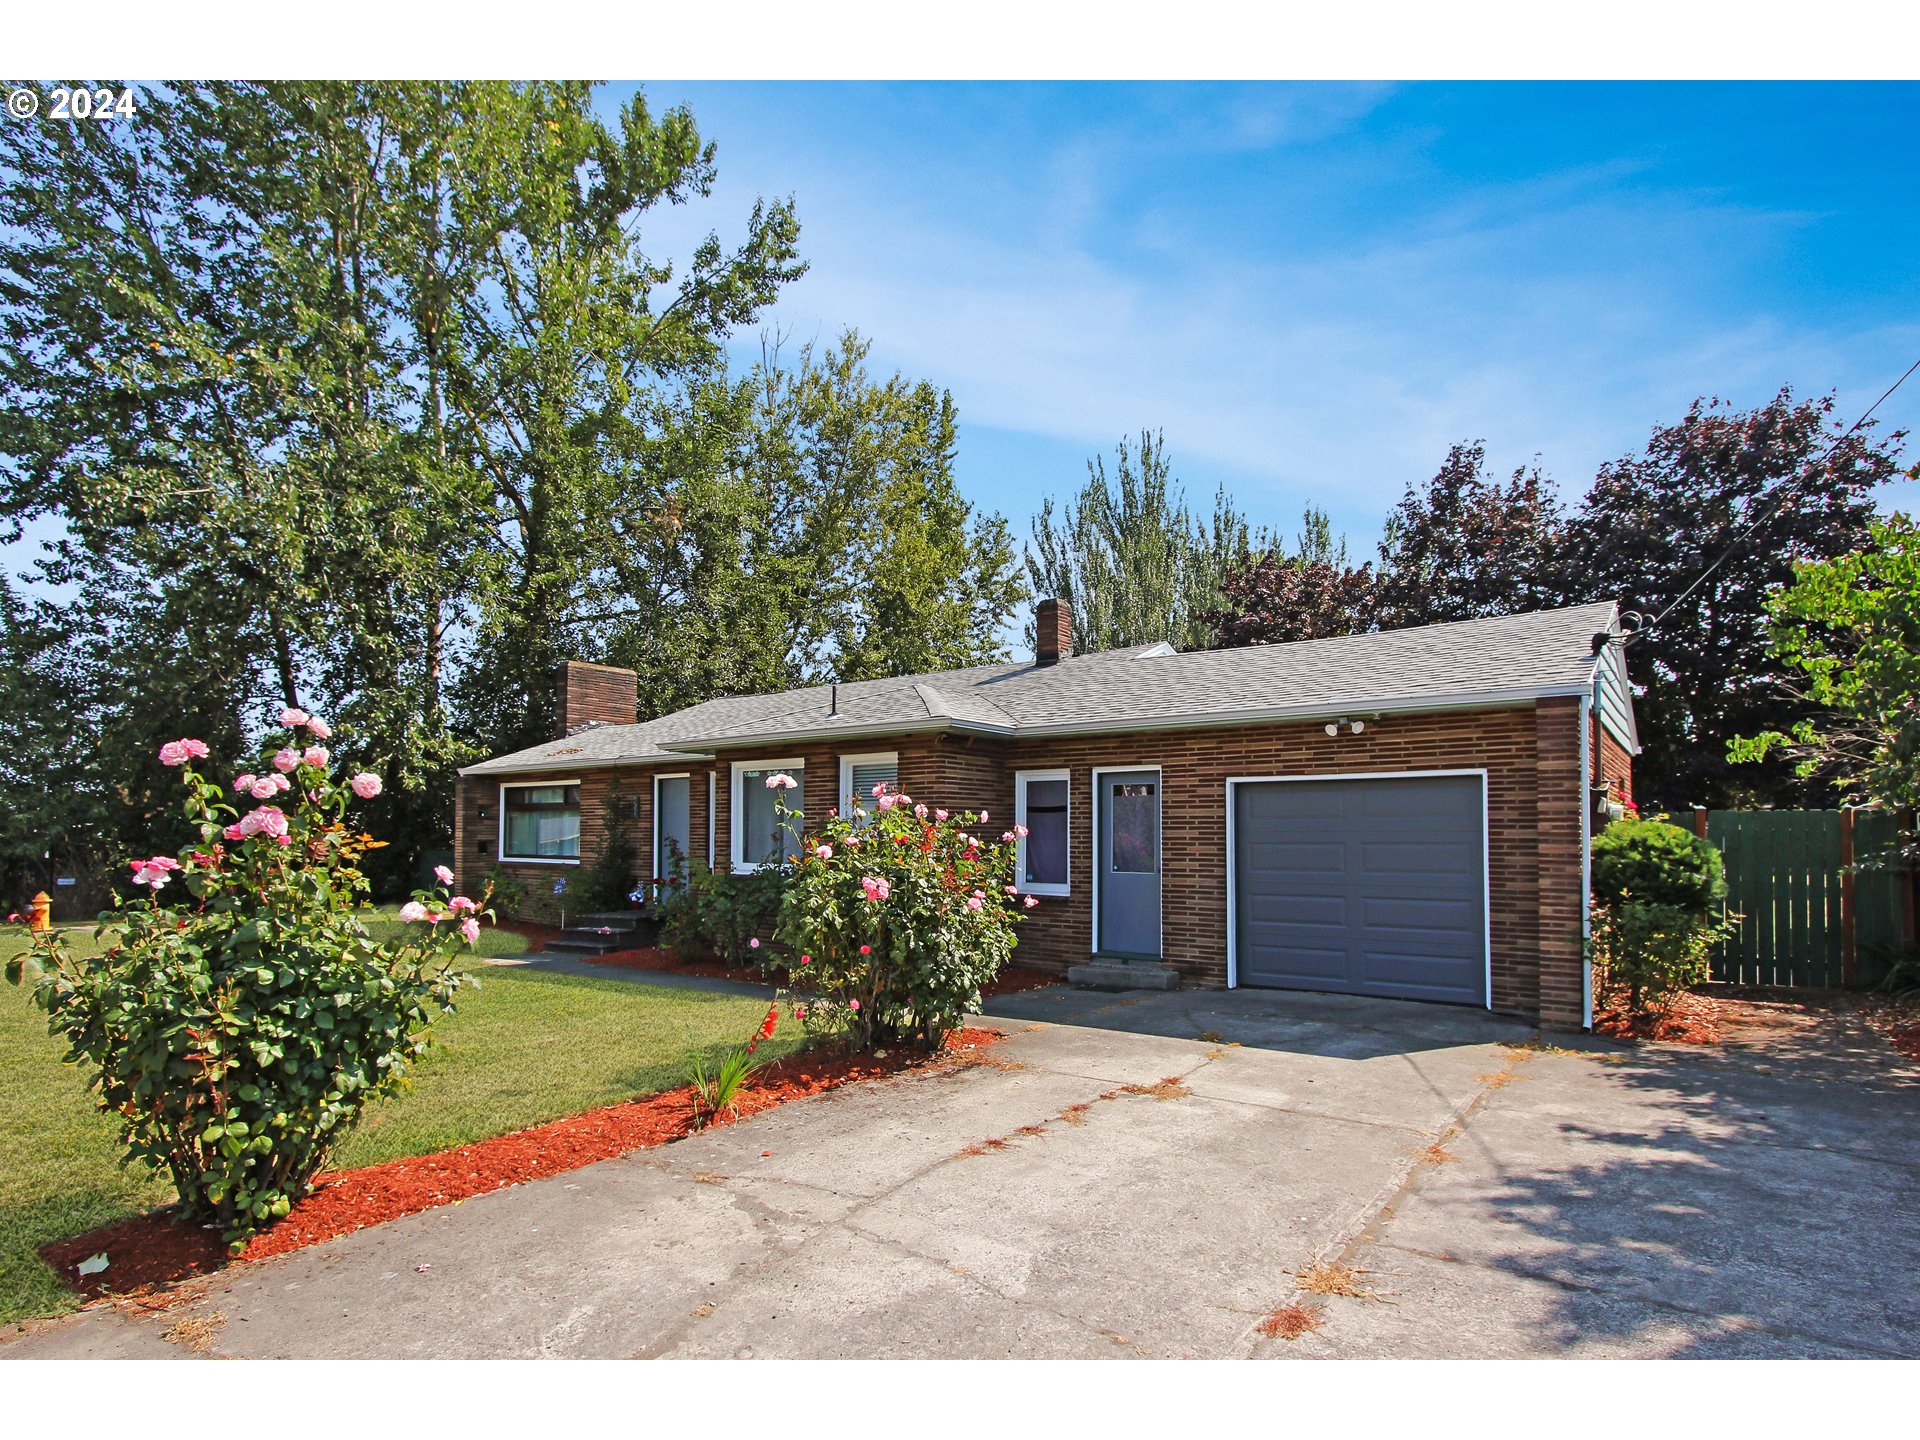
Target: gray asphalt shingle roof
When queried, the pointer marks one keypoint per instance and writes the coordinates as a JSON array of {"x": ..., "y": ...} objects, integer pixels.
[{"x": 1507, "y": 659}]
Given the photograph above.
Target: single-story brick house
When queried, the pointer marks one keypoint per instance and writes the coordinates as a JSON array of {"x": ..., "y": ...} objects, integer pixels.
[{"x": 1402, "y": 814}]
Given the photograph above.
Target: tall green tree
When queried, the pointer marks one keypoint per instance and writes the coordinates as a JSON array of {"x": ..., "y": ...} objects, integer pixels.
[
  {"x": 1849, "y": 630},
  {"x": 1758, "y": 491},
  {"x": 1465, "y": 545},
  {"x": 830, "y": 541},
  {"x": 1134, "y": 561}
]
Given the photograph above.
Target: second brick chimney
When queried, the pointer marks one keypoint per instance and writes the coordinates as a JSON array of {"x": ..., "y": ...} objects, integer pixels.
[
  {"x": 1052, "y": 632},
  {"x": 595, "y": 695}
]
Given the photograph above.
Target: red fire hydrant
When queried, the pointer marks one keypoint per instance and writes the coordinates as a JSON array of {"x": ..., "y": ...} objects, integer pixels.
[{"x": 42, "y": 913}]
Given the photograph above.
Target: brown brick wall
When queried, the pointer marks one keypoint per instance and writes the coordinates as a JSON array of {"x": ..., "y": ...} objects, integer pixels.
[
  {"x": 1612, "y": 764},
  {"x": 595, "y": 694},
  {"x": 476, "y": 837},
  {"x": 1534, "y": 787}
]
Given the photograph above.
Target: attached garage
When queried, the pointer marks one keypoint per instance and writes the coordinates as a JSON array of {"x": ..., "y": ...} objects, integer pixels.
[{"x": 1364, "y": 885}]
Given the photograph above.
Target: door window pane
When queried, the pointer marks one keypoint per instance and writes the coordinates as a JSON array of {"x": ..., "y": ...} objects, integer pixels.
[{"x": 1135, "y": 821}]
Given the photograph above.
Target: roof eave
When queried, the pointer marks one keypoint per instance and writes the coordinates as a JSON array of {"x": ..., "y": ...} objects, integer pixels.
[
  {"x": 760, "y": 740},
  {"x": 577, "y": 762}
]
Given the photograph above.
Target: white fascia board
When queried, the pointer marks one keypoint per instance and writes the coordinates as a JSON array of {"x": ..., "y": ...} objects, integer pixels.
[{"x": 876, "y": 731}]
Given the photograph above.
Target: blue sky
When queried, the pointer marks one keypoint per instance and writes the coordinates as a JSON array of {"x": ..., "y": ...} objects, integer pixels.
[{"x": 1314, "y": 289}]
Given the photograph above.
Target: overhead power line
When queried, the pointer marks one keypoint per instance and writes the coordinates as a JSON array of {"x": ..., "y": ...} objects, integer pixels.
[{"x": 1767, "y": 512}]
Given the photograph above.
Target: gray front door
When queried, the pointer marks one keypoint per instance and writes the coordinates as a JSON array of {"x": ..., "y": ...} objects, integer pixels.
[
  {"x": 1371, "y": 887},
  {"x": 1128, "y": 856},
  {"x": 672, "y": 824}
]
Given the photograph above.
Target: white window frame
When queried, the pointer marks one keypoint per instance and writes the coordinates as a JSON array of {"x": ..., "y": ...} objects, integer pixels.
[
  {"x": 500, "y": 843},
  {"x": 654, "y": 801},
  {"x": 873, "y": 757},
  {"x": 736, "y": 809},
  {"x": 1020, "y": 781}
]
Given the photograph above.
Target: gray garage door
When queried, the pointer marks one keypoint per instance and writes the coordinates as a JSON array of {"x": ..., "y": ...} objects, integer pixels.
[{"x": 1370, "y": 887}]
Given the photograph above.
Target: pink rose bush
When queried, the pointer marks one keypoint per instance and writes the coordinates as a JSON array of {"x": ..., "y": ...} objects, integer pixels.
[
  {"x": 244, "y": 1014},
  {"x": 898, "y": 923}
]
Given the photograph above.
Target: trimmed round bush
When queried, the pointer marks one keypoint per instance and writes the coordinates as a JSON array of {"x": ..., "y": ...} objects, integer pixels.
[{"x": 1653, "y": 863}]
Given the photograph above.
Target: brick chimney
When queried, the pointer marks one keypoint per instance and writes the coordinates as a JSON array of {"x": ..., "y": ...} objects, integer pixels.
[
  {"x": 595, "y": 695},
  {"x": 1052, "y": 632}
]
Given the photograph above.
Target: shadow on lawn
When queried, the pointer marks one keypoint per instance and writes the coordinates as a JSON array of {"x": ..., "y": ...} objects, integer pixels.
[{"x": 1745, "y": 1202}]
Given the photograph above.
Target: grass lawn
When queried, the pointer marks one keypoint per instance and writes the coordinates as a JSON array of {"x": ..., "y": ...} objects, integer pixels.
[{"x": 525, "y": 1047}]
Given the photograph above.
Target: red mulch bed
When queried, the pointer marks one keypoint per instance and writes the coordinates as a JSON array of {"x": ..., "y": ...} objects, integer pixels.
[
  {"x": 1896, "y": 1020},
  {"x": 159, "y": 1248},
  {"x": 1690, "y": 1019},
  {"x": 1011, "y": 979}
]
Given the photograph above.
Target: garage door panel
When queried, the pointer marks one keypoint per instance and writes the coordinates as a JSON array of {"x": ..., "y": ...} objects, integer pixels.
[{"x": 1362, "y": 886}]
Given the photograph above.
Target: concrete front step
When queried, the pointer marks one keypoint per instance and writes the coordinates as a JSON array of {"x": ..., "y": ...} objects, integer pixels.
[{"x": 1104, "y": 974}]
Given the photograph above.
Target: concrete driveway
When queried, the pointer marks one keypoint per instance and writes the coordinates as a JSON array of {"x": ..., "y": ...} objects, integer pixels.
[{"x": 1145, "y": 1175}]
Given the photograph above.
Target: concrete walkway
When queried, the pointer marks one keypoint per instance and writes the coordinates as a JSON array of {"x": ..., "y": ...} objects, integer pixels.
[{"x": 1144, "y": 1175}]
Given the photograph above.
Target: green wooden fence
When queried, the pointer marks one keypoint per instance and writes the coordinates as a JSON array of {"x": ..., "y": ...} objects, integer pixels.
[{"x": 1813, "y": 916}]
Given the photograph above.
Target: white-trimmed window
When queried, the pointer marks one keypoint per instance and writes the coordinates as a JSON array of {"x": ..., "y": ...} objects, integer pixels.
[
  {"x": 756, "y": 826},
  {"x": 540, "y": 821},
  {"x": 860, "y": 773},
  {"x": 1042, "y": 803}
]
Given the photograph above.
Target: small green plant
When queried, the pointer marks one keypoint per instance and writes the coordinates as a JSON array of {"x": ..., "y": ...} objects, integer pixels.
[
  {"x": 610, "y": 879},
  {"x": 717, "y": 1092},
  {"x": 509, "y": 895}
]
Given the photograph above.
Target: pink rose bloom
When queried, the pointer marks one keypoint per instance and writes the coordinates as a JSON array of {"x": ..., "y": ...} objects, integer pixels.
[
  {"x": 245, "y": 782},
  {"x": 461, "y": 902},
  {"x": 973, "y": 842},
  {"x": 983, "y": 816},
  {"x": 163, "y": 862},
  {"x": 366, "y": 785},
  {"x": 852, "y": 842},
  {"x": 1013, "y": 889},
  {"x": 1006, "y": 834},
  {"x": 268, "y": 820},
  {"x": 319, "y": 728},
  {"x": 973, "y": 902},
  {"x": 173, "y": 753},
  {"x": 291, "y": 717},
  {"x": 754, "y": 944},
  {"x": 413, "y": 910},
  {"x": 285, "y": 760},
  {"x": 316, "y": 756},
  {"x": 234, "y": 832},
  {"x": 264, "y": 788},
  {"x": 853, "y": 1004},
  {"x": 823, "y": 852},
  {"x": 979, "y": 894},
  {"x": 920, "y": 812},
  {"x": 879, "y": 789},
  {"x": 1030, "y": 902},
  {"x": 782, "y": 781},
  {"x": 470, "y": 928},
  {"x": 443, "y": 874},
  {"x": 902, "y": 799},
  {"x": 939, "y": 814},
  {"x": 1021, "y": 831},
  {"x": 876, "y": 888}
]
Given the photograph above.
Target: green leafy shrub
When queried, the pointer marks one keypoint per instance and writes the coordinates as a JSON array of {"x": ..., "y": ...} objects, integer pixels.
[
  {"x": 1659, "y": 909},
  {"x": 238, "y": 1033},
  {"x": 1655, "y": 863},
  {"x": 894, "y": 919},
  {"x": 713, "y": 912},
  {"x": 509, "y": 895}
]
